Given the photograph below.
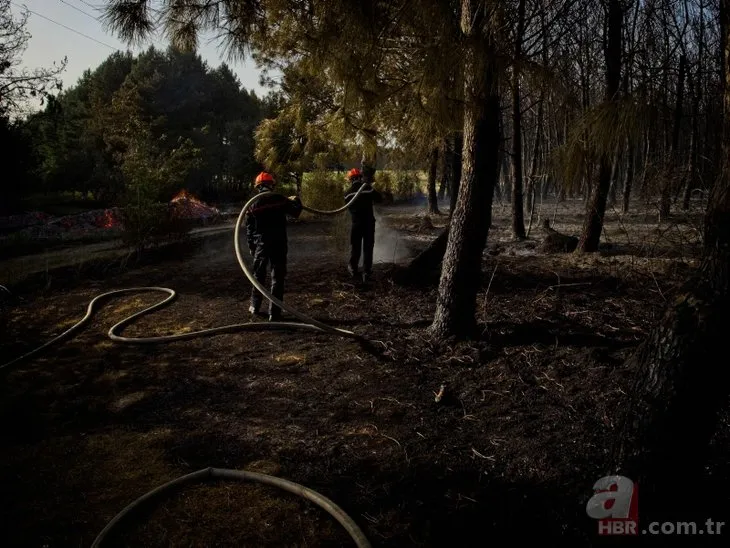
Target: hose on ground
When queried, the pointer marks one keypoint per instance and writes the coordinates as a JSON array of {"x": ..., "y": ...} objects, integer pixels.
[
  {"x": 307, "y": 322},
  {"x": 222, "y": 473}
]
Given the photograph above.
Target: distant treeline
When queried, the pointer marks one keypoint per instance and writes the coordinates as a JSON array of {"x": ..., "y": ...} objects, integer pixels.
[{"x": 168, "y": 110}]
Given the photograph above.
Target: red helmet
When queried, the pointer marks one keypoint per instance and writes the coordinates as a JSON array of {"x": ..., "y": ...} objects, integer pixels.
[
  {"x": 354, "y": 172},
  {"x": 264, "y": 178}
]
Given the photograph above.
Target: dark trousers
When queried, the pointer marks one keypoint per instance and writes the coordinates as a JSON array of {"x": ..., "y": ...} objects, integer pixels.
[
  {"x": 262, "y": 258},
  {"x": 362, "y": 241}
]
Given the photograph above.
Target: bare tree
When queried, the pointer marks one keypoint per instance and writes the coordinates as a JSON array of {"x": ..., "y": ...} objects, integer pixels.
[
  {"x": 680, "y": 384},
  {"x": 19, "y": 84}
]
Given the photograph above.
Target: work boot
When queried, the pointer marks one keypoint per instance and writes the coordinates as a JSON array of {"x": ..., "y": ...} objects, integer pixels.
[
  {"x": 274, "y": 317},
  {"x": 353, "y": 271},
  {"x": 254, "y": 311},
  {"x": 366, "y": 277}
]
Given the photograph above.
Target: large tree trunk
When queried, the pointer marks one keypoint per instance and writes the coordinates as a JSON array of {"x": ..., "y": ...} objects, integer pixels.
[
  {"x": 680, "y": 381},
  {"x": 461, "y": 270},
  {"x": 596, "y": 209},
  {"x": 433, "y": 200},
  {"x": 518, "y": 213}
]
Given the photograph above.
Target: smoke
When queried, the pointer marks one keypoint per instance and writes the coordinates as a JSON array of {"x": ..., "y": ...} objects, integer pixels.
[
  {"x": 308, "y": 240},
  {"x": 390, "y": 246}
]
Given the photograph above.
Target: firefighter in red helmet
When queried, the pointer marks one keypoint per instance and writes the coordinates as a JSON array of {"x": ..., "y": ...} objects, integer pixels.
[
  {"x": 267, "y": 240},
  {"x": 362, "y": 233}
]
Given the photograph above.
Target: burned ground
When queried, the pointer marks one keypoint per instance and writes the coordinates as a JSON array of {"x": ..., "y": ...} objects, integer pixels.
[{"x": 510, "y": 451}]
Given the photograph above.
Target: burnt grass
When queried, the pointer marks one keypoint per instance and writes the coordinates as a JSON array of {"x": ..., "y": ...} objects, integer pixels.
[{"x": 508, "y": 454}]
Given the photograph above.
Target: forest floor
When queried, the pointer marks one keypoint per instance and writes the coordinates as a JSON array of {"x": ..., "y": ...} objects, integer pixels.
[{"x": 511, "y": 451}]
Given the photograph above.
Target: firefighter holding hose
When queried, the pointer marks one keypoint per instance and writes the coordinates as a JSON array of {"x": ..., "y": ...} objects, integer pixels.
[
  {"x": 362, "y": 233},
  {"x": 267, "y": 240}
]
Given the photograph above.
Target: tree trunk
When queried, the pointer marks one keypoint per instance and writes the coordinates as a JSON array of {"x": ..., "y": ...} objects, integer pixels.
[
  {"x": 425, "y": 262},
  {"x": 369, "y": 163},
  {"x": 613, "y": 191},
  {"x": 518, "y": 213},
  {"x": 680, "y": 384},
  {"x": 443, "y": 171},
  {"x": 505, "y": 176},
  {"x": 666, "y": 200},
  {"x": 455, "y": 171},
  {"x": 461, "y": 269},
  {"x": 697, "y": 100},
  {"x": 433, "y": 200},
  {"x": 628, "y": 178},
  {"x": 596, "y": 209},
  {"x": 530, "y": 190}
]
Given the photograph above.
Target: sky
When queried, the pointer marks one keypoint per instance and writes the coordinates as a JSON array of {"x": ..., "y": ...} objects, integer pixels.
[{"x": 50, "y": 41}]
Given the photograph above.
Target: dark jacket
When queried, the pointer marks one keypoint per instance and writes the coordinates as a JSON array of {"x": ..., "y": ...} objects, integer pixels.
[
  {"x": 266, "y": 220},
  {"x": 361, "y": 209}
]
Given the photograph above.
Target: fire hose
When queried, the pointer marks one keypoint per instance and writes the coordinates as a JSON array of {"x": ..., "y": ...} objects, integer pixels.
[
  {"x": 308, "y": 323},
  {"x": 215, "y": 473},
  {"x": 220, "y": 473}
]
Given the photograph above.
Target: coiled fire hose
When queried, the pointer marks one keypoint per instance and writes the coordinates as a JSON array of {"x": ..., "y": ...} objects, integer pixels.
[
  {"x": 217, "y": 473},
  {"x": 308, "y": 323},
  {"x": 220, "y": 473}
]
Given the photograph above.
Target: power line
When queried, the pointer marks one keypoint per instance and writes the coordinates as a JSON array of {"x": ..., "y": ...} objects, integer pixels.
[
  {"x": 95, "y": 18},
  {"x": 86, "y": 13},
  {"x": 64, "y": 26},
  {"x": 90, "y": 5}
]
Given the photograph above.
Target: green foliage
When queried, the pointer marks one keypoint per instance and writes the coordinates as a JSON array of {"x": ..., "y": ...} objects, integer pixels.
[
  {"x": 601, "y": 131},
  {"x": 323, "y": 190},
  {"x": 407, "y": 185},
  {"x": 303, "y": 136},
  {"x": 384, "y": 181},
  {"x": 356, "y": 74},
  {"x": 80, "y": 139},
  {"x": 153, "y": 170}
]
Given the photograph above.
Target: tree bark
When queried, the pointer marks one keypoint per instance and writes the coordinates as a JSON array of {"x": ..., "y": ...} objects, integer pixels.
[
  {"x": 518, "y": 213},
  {"x": 425, "y": 262},
  {"x": 680, "y": 384},
  {"x": 461, "y": 269},
  {"x": 433, "y": 201},
  {"x": 596, "y": 209}
]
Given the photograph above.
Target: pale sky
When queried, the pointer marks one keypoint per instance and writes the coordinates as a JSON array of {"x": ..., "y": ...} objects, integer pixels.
[{"x": 50, "y": 42}]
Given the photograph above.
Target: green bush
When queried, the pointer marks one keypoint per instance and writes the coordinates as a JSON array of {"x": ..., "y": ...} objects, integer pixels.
[
  {"x": 323, "y": 190},
  {"x": 407, "y": 185},
  {"x": 384, "y": 181}
]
